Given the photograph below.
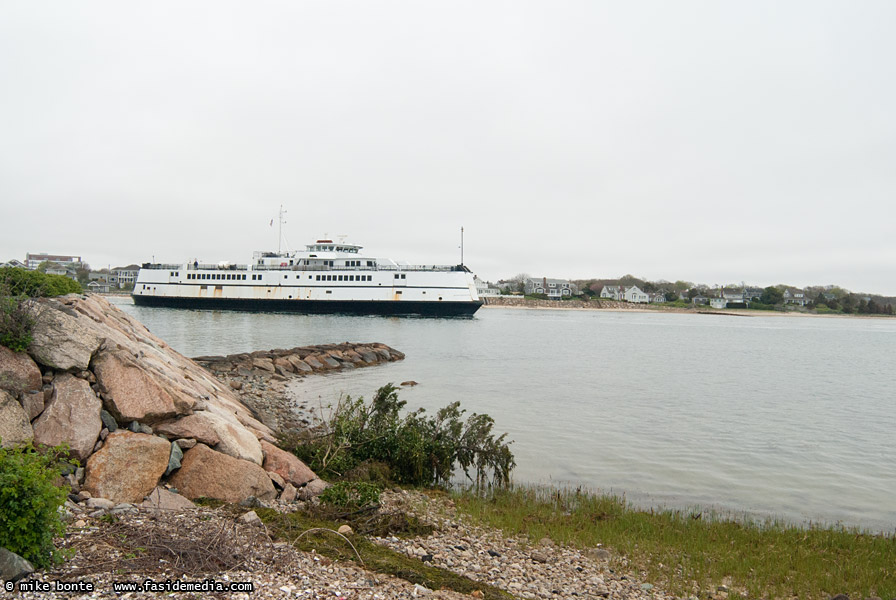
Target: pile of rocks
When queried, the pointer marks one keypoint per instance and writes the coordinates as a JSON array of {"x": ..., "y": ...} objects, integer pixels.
[{"x": 135, "y": 413}]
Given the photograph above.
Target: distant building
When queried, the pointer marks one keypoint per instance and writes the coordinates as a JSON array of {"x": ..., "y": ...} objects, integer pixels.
[
  {"x": 612, "y": 292},
  {"x": 34, "y": 260},
  {"x": 657, "y": 297},
  {"x": 14, "y": 264},
  {"x": 797, "y": 297},
  {"x": 98, "y": 286},
  {"x": 66, "y": 270},
  {"x": 554, "y": 289},
  {"x": 634, "y": 294},
  {"x": 718, "y": 302},
  {"x": 484, "y": 289},
  {"x": 124, "y": 276}
]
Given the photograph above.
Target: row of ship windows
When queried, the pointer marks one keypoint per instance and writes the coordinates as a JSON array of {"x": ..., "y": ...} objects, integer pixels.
[
  {"x": 344, "y": 278},
  {"x": 258, "y": 277},
  {"x": 227, "y": 276}
]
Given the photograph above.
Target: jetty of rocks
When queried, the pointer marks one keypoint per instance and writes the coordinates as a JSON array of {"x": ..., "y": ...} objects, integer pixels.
[{"x": 140, "y": 418}]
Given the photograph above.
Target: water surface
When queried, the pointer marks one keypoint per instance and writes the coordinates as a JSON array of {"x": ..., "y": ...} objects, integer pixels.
[{"x": 788, "y": 417}]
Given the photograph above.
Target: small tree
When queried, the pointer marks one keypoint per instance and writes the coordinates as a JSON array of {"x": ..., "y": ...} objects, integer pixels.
[
  {"x": 16, "y": 319},
  {"x": 772, "y": 295}
]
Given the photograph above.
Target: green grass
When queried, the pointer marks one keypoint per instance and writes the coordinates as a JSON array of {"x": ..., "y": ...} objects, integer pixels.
[{"x": 692, "y": 554}]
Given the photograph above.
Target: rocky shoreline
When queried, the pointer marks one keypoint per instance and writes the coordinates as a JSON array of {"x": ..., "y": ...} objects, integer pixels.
[{"x": 128, "y": 549}]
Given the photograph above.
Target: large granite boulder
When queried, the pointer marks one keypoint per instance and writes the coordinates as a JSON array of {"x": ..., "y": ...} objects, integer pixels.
[
  {"x": 128, "y": 466},
  {"x": 18, "y": 372},
  {"x": 210, "y": 474},
  {"x": 14, "y": 426},
  {"x": 133, "y": 393},
  {"x": 286, "y": 465},
  {"x": 61, "y": 340},
  {"x": 72, "y": 416},
  {"x": 223, "y": 433}
]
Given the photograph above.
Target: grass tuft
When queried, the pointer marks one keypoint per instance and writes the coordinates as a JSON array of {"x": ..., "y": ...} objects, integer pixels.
[{"x": 691, "y": 554}]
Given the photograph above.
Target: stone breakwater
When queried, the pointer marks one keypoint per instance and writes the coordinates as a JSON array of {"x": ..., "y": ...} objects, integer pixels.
[
  {"x": 260, "y": 378},
  {"x": 520, "y": 302},
  {"x": 138, "y": 416}
]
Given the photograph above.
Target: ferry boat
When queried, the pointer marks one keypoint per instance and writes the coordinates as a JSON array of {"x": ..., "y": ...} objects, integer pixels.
[{"x": 326, "y": 277}]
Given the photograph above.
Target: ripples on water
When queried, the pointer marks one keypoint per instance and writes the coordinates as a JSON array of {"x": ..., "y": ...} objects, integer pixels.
[{"x": 766, "y": 416}]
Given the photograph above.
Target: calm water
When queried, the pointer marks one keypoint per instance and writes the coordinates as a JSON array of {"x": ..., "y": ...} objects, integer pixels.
[{"x": 764, "y": 416}]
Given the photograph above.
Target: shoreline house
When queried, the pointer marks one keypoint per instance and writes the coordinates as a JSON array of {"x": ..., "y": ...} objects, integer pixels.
[
  {"x": 635, "y": 295},
  {"x": 98, "y": 286},
  {"x": 484, "y": 288},
  {"x": 65, "y": 269},
  {"x": 797, "y": 297},
  {"x": 612, "y": 292},
  {"x": 554, "y": 289},
  {"x": 626, "y": 294},
  {"x": 123, "y": 277},
  {"x": 13, "y": 264}
]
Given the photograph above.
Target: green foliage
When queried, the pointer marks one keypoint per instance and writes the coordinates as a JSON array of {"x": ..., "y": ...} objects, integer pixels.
[
  {"x": 351, "y": 495},
  {"x": 29, "y": 503},
  {"x": 418, "y": 450},
  {"x": 761, "y": 306},
  {"x": 18, "y": 288},
  {"x": 772, "y": 295},
  {"x": 34, "y": 284},
  {"x": 16, "y": 321}
]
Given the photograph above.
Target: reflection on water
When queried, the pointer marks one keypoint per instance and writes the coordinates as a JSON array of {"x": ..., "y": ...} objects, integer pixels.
[{"x": 780, "y": 416}]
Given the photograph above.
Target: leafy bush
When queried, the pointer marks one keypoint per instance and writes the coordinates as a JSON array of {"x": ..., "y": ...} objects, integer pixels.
[
  {"x": 351, "y": 495},
  {"x": 34, "y": 284},
  {"x": 417, "y": 450},
  {"x": 29, "y": 503},
  {"x": 16, "y": 321},
  {"x": 18, "y": 288}
]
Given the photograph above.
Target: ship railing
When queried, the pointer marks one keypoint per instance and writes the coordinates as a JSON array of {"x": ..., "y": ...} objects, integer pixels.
[
  {"x": 161, "y": 266},
  {"x": 193, "y": 266},
  {"x": 440, "y": 268},
  {"x": 234, "y": 267}
]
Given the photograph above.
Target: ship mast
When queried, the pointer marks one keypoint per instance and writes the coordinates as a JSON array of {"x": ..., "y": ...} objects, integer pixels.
[
  {"x": 282, "y": 219},
  {"x": 461, "y": 246}
]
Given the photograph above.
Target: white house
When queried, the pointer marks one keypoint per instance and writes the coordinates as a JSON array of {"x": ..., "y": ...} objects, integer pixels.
[
  {"x": 718, "y": 302},
  {"x": 634, "y": 294},
  {"x": 484, "y": 289},
  {"x": 611, "y": 292},
  {"x": 124, "y": 276}
]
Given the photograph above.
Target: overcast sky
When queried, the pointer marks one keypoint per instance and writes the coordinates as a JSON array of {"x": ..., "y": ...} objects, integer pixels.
[{"x": 714, "y": 142}]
